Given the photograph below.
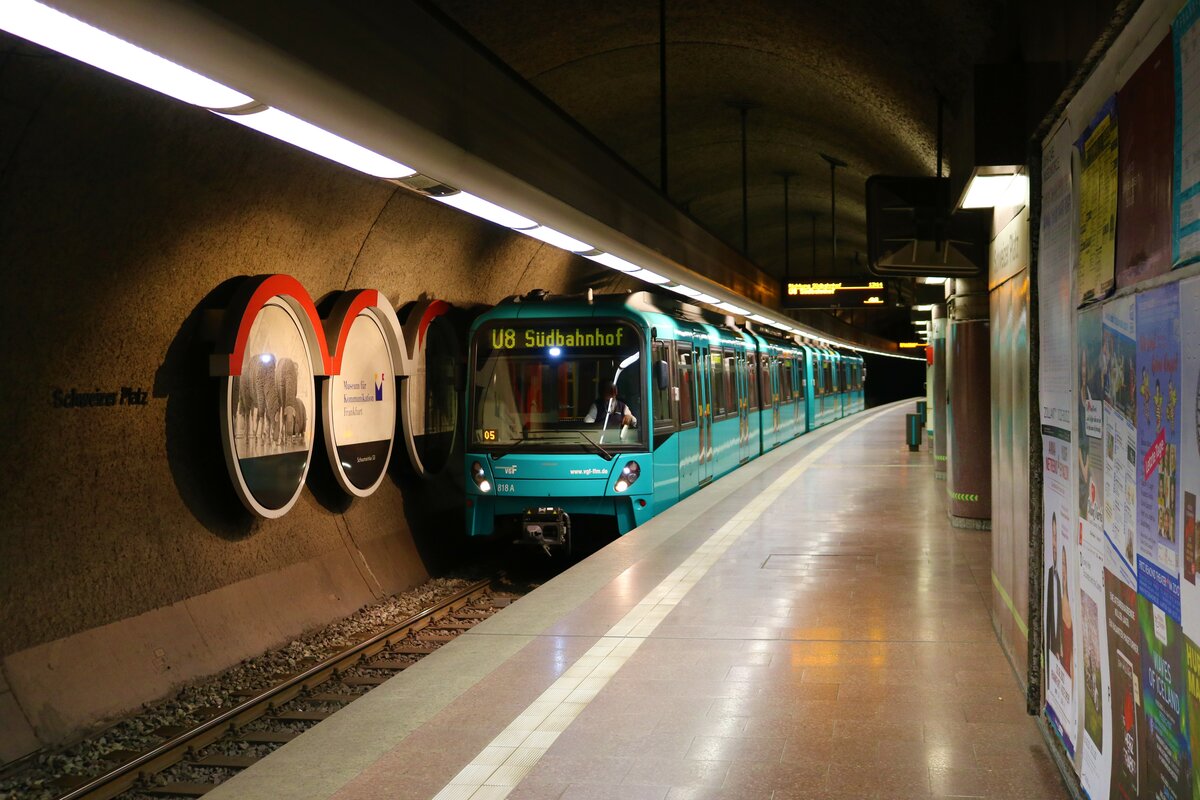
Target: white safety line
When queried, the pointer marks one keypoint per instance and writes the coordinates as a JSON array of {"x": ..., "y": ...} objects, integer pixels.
[{"x": 500, "y": 766}]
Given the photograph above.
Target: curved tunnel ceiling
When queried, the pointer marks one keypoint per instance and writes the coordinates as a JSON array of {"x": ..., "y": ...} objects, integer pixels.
[{"x": 858, "y": 80}]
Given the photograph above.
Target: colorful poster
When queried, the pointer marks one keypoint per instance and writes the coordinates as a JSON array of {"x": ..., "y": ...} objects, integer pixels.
[
  {"x": 1089, "y": 417},
  {"x": 1119, "y": 357},
  {"x": 1125, "y": 697},
  {"x": 1191, "y": 655},
  {"x": 1094, "y": 275},
  {"x": 1186, "y": 227},
  {"x": 1159, "y": 418},
  {"x": 1189, "y": 457},
  {"x": 1145, "y": 106},
  {"x": 1060, "y": 602},
  {"x": 1163, "y": 695}
]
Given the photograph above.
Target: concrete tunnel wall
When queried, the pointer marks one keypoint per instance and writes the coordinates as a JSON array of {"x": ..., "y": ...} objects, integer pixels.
[{"x": 127, "y": 565}]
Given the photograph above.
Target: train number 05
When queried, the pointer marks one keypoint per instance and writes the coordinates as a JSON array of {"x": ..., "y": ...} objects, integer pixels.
[{"x": 489, "y": 434}]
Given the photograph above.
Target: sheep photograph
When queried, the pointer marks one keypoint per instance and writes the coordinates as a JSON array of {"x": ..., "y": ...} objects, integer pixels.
[{"x": 274, "y": 393}]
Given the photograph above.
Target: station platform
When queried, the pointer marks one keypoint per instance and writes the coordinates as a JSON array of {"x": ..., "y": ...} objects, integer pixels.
[{"x": 810, "y": 626}]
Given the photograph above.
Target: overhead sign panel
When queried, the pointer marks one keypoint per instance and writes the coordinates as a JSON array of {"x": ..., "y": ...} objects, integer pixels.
[
  {"x": 914, "y": 230},
  {"x": 838, "y": 292}
]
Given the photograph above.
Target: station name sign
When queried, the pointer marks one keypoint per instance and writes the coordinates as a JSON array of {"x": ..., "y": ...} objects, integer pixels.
[
  {"x": 533, "y": 338},
  {"x": 836, "y": 292}
]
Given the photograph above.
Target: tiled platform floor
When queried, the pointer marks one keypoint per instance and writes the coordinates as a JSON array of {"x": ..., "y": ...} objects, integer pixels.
[{"x": 829, "y": 638}]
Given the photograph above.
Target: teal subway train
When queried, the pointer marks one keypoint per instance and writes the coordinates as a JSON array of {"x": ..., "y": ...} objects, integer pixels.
[{"x": 619, "y": 406}]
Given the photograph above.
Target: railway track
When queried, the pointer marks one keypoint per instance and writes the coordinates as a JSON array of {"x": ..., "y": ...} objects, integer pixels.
[{"x": 230, "y": 739}]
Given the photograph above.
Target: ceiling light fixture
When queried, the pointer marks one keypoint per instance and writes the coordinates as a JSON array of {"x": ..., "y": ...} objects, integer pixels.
[
  {"x": 686, "y": 291},
  {"x": 992, "y": 187},
  {"x": 484, "y": 209},
  {"x": 71, "y": 37},
  {"x": 613, "y": 262},
  {"x": 307, "y": 136},
  {"x": 556, "y": 239},
  {"x": 650, "y": 277}
]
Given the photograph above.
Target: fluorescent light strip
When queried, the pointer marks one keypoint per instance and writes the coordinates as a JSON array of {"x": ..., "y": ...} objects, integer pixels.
[
  {"x": 650, "y": 277},
  {"x": 553, "y": 237},
  {"x": 613, "y": 262},
  {"x": 71, "y": 37},
  {"x": 686, "y": 291},
  {"x": 485, "y": 209},
  {"x": 294, "y": 130},
  {"x": 731, "y": 308}
]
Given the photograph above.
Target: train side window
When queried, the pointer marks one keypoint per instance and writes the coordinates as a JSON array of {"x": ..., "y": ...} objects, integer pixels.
[
  {"x": 717, "y": 359},
  {"x": 730, "y": 372},
  {"x": 765, "y": 365},
  {"x": 664, "y": 397},
  {"x": 752, "y": 400},
  {"x": 687, "y": 404}
]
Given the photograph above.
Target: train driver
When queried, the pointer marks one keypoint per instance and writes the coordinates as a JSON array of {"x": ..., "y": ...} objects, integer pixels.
[{"x": 618, "y": 412}]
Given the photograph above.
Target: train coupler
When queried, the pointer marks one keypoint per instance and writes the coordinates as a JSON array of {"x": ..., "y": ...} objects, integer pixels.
[{"x": 547, "y": 528}]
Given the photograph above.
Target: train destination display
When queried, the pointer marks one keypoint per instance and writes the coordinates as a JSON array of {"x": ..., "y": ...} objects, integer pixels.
[{"x": 837, "y": 292}]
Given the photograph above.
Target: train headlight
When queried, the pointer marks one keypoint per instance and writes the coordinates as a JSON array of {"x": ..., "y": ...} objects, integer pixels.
[
  {"x": 480, "y": 477},
  {"x": 629, "y": 474}
]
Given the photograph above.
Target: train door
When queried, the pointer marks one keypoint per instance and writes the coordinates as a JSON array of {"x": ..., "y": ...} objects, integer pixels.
[
  {"x": 743, "y": 406},
  {"x": 704, "y": 398},
  {"x": 777, "y": 405}
]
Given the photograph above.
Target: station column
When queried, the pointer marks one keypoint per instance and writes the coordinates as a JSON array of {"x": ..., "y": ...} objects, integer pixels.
[
  {"x": 937, "y": 407},
  {"x": 968, "y": 411}
]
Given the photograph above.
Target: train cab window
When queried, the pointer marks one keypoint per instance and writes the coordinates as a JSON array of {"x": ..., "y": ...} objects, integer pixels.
[
  {"x": 543, "y": 386},
  {"x": 687, "y": 403},
  {"x": 663, "y": 397}
]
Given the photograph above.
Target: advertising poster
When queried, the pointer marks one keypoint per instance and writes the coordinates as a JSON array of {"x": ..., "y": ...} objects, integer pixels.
[
  {"x": 272, "y": 400},
  {"x": 1168, "y": 754},
  {"x": 1089, "y": 418},
  {"x": 1119, "y": 357},
  {"x": 1191, "y": 657},
  {"x": 1060, "y": 602},
  {"x": 361, "y": 408},
  {"x": 1094, "y": 275},
  {"x": 1095, "y": 749},
  {"x": 1186, "y": 227},
  {"x": 1159, "y": 418},
  {"x": 1189, "y": 457},
  {"x": 1056, "y": 266},
  {"x": 1125, "y": 697},
  {"x": 1145, "y": 107}
]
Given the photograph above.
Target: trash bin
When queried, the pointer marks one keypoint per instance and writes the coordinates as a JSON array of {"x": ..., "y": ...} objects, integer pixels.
[{"x": 912, "y": 429}]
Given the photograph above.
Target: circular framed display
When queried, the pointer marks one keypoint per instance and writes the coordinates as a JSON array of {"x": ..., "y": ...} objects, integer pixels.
[
  {"x": 267, "y": 412},
  {"x": 360, "y": 408}
]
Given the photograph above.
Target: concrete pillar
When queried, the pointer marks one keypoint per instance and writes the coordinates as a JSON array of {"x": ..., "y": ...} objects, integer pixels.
[
  {"x": 968, "y": 413},
  {"x": 937, "y": 406}
]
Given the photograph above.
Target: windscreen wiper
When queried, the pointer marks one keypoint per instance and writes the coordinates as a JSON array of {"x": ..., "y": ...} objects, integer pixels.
[{"x": 600, "y": 451}]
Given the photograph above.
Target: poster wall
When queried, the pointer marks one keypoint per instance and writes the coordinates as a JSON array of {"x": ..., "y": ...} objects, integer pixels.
[{"x": 1120, "y": 413}]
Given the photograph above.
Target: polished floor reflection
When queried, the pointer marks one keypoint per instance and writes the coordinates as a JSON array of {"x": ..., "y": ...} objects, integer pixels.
[{"x": 836, "y": 645}]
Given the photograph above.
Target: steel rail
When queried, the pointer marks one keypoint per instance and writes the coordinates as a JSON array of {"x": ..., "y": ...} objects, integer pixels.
[{"x": 121, "y": 778}]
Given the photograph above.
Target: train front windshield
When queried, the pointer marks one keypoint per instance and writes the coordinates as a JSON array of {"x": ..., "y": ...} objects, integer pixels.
[{"x": 549, "y": 387}]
